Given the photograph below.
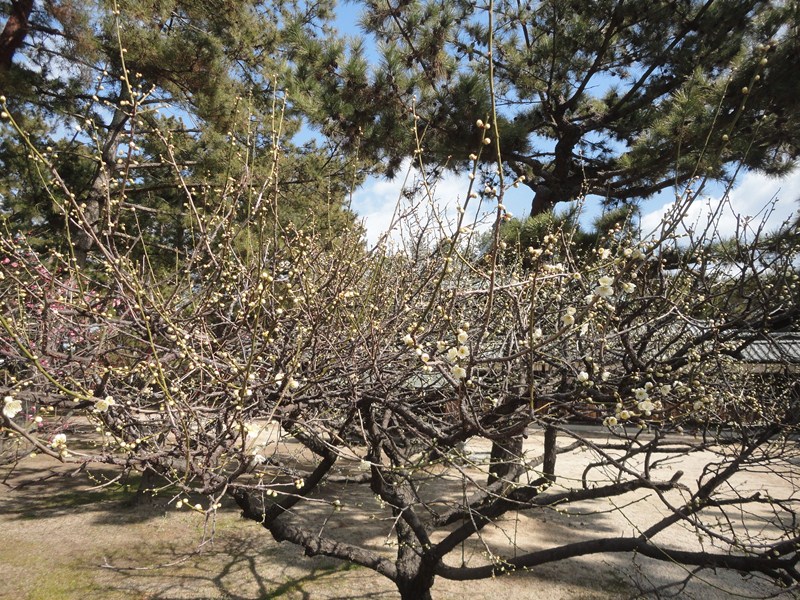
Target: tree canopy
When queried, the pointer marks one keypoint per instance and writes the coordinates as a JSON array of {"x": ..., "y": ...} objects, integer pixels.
[
  {"x": 307, "y": 387},
  {"x": 619, "y": 99},
  {"x": 82, "y": 81}
]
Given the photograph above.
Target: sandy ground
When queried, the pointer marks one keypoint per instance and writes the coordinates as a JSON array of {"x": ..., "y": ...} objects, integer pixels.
[{"x": 61, "y": 540}]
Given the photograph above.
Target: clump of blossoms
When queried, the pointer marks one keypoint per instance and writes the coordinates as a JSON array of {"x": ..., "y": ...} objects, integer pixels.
[
  {"x": 457, "y": 353},
  {"x": 103, "y": 404},
  {"x": 11, "y": 407},
  {"x": 458, "y": 372},
  {"x": 647, "y": 407},
  {"x": 604, "y": 287},
  {"x": 59, "y": 442},
  {"x": 610, "y": 421},
  {"x": 644, "y": 404}
]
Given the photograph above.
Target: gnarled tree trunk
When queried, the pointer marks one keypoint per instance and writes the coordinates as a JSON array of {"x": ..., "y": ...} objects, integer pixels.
[{"x": 504, "y": 458}]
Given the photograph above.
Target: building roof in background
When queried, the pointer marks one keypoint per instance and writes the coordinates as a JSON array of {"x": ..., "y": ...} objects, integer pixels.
[{"x": 775, "y": 347}]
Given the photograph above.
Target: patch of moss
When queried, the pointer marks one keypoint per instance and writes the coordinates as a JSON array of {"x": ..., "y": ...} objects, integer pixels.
[{"x": 65, "y": 582}]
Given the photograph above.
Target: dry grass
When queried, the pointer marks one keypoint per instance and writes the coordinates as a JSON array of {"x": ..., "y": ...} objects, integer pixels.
[{"x": 63, "y": 540}]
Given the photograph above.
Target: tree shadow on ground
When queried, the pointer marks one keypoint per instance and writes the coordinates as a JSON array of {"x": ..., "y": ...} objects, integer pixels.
[
  {"x": 35, "y": 492},
  {"x": 239, "y": 566}
]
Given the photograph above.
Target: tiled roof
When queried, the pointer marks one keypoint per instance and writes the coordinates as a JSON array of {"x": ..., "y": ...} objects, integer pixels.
[{"x": 772, "y": 348}]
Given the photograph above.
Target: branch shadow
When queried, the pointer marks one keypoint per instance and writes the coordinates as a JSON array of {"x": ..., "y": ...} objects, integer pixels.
[
  {"x": 243, "y": 565},
  {"x": 36, "y": 492}
]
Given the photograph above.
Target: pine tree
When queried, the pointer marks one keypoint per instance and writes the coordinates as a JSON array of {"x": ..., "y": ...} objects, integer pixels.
[
  {"x": 137, "y": 104},
  {"x": 611, "y": 98}
]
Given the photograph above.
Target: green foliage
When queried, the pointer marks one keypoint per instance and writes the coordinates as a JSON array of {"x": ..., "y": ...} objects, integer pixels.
[
  {"x": 615, "y": 219},
  {"x": 616, "y": 99},
  {"x": 156, "y": 100},
  {"x": 525, "y": 238}
]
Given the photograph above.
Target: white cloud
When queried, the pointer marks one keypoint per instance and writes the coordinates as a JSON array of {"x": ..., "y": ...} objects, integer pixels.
[
  {"x": 386, "y": 208},
  {"x": 756, "y": 200},
  {"x": 375, "y": 202},
  {"x": 380, "y": 201}
]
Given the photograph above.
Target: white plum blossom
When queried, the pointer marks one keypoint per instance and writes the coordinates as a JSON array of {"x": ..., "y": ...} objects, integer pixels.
[
  {"x": 293, "y": 384},
  {"x": 11, "y": 407},
  {"x": 463, "y": 351},
  {"x": 441, "y": 345},
  {"x": 462, "y": 336},
  {"x": 604, "y": 287},
  {"x": 568, "y": 318},
  {"x": 452, "y": 354},
  {"x": 628, "y": 287},
  {"x": 103, "y": 404},
  {"x": 458, "y": 372},
  {"x": 640, "y": 394},
  {"x": 583, "y": 376},
  {"x": 624, "y": 415},
  {"x": 59, "y": 442},
  {"x": 665, "y": 389},
  {"x": 408, "y": 340},
  {"x": 646, "y": 406},
  {"x": 610, "y": 421}
]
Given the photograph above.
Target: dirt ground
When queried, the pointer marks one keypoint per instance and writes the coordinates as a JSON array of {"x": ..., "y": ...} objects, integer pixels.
[{"x": 62, "y": 540}]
